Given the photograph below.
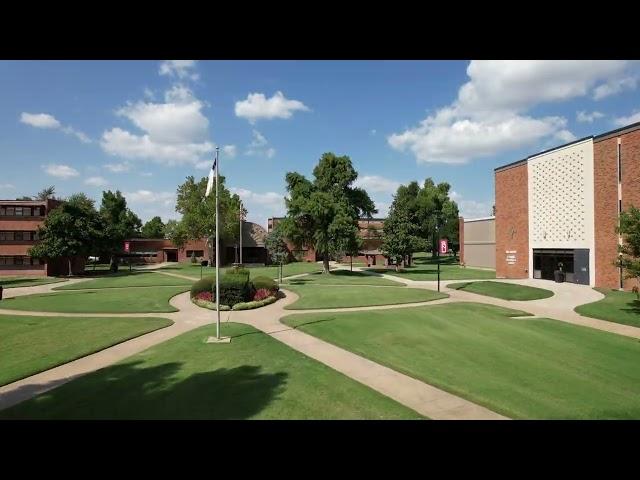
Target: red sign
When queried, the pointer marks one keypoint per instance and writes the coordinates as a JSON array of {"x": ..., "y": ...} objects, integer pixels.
[
  {"x": 444, "y": 245},
  {"x": 126, "y": 247}
]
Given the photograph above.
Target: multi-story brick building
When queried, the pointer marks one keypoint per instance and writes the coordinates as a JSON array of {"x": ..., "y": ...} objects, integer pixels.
[
  {"x": 561, "y": 206},
  {"x": 19, "y": 222},
  {"x": 370, "y": 232}
]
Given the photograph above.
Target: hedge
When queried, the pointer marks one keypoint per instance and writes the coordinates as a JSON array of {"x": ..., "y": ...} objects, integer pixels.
[
  {"x": 265, "y": 282},
  {"x": 206, "y": 284},
  {"x": 210, "y": 305},
  {"x": 251, "y": 305},
  {"x": 234, "y": 288}
]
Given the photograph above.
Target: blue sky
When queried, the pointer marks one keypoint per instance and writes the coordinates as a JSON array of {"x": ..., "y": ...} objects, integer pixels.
[{"x": 143, "y": 126}]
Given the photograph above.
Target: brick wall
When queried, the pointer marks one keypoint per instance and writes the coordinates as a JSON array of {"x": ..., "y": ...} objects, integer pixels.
[
  {"x": 605, "y": 182},
  {"x": 461, "y": 238},
  {"x": 630, "y": 153},
  {"x": 512, "y": 221}
]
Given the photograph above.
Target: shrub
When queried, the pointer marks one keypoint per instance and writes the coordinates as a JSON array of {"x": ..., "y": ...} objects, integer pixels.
[
  {"x": 239, "y": 271},
  {"x": 234, "y": 288},
  {"x": 206, "y": 284},
  {"x": 255, "y": 304},
  {"x": 261, "y": 294},
  {"x": 210, "y": 305},
  {"x": 266, "y": 283}
]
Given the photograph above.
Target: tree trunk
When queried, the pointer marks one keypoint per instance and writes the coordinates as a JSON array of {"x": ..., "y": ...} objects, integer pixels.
[
  {"x": 325, "y": 264},
  {"x": 113, "y": 264},
  {"x": 397, "y": 266},
  {"x": 351, "y": 262},
  {"x": 69, "y": 261}
]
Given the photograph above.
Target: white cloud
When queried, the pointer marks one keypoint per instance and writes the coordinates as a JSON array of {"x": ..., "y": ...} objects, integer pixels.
[
  {"x": 258, "y": 146},
  {"x": 230, "y": 151},
  {"x": 182, "y": 69},
  {"x": 257, "y": 106},
  {"x": 147, "y": 196},
  {"x": 261, "y": 206},
  {"x": 583, "y": 116},
  {"x": 376, "y": 183},
  {"x": 488, "y": 116},
  {"x": 565, "y": 136},
  {"x": 471, "y": 208},
  {"x": 173, "y": 133},
  {"x": 39, "y": 120},
  {"x": 147, "y": 204},
  {"x": 44, "y": 120},
  {"x": 6, "y": 186},
  {"x": 146, "y": 174},
  {"x": 383, "y": 209},
  {"x": 148, "y": 93},
  {"x": 118, "y": 167},
  {"x": 624, "y": 121},
  {"x": 373, "y": 131},
  {"x": 96, "y": 181},
  {"x": 614, "y": 86},
  {"x": 61, "y": 171}
]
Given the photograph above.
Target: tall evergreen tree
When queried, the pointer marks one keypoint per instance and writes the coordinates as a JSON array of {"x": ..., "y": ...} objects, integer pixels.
[
  {"x": 154, "y": 228},
  {"x": 120, "y": 223}
]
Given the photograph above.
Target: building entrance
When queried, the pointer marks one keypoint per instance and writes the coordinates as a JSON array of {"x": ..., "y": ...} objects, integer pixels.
[
  {"x": 172, "y": 255},
  {"x": 575, "y": 264}
]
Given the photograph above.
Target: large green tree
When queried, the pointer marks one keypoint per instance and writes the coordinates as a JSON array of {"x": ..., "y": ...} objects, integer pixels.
[
  {"x": 630, "y": 249},
  {"x": 401, "y": 228},
  {"x": 324, "y": 212},
  {"x": 47, "y": 193},
  {"x": 73, "y": 229},
  {"x": 120, "y": 223},
  {"x": 154, "y": 228},
  {"x": 437, "y": 213},
  {"x": 199, "y": 214}
]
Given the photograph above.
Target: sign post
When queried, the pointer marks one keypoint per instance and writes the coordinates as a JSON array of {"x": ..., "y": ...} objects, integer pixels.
[{"x": 443, "y": 247}]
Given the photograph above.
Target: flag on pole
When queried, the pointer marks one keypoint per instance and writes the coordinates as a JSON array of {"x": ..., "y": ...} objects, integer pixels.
[{"x": 212, "y": 175}]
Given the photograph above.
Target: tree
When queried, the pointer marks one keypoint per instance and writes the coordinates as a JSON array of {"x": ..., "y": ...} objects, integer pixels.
[
  {"x": 48, "y": 193},
  {"x": 199, "y": 214},
  {"x": 630, "y": 249},
  {"x": 400, "y": 232},
  {"x": 120, "y": 224},
  {"x": 324, "y": 212},
  {"x": 437, "y": 213},
  {"x": 72, "y": 229},
  {"x": 154, "y": 228},
  {"x": 277, "y": 247},
  {"x": 24, "y": 197}
]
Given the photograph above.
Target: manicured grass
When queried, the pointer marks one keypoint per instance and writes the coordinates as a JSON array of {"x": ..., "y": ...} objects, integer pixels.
[
  {"x": 448, "y": 271},
  {"x": 617, "y": 306},
  {"x": 253, "y": 377},
  {"x": 324, "y": 296},
  {"x": 111, "y": 300},
  {"x": 272, "y": 271},
  {"x": 506, "y": 291},
  {"x": 342, "y": 277},
  {"x": 15, "y": 282},
  {"x": 33, "y": 344},
  {"x": 126, "y": 279},
  {"x": 522, "y": 368}
]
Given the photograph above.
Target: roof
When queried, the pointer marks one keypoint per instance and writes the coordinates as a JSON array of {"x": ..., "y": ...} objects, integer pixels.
[
  {"x": 596, "y": 138},
  {"x": 253, "y": 235},
  {"x": 24, "y": 202},
  {"x": 478, "y": 219}
]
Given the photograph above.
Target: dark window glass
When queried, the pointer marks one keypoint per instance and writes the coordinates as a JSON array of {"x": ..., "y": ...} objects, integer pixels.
[
  {"x": 26, "y": 211},
  {"x": 18, "y": 211},
  {"x": 17, "y": 260},
  {"x": 3, "y": 211},
  {"x": 10, "y": 211},
  {"x": 19, "y": 235}
]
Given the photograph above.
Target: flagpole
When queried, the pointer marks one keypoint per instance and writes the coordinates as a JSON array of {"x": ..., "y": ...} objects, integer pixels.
[
  {"x": 217, "y": 250},
  {"x": 240, "y": 232}
]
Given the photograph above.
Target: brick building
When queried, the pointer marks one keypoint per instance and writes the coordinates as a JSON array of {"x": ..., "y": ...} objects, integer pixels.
[
  {"x": 562, "y": 206},
  {"x": 19, "y": 222},
  {"x": 477, "y": 242},
  {"x": 158, "y": 250},
  {"x": 370, "y": 230}
]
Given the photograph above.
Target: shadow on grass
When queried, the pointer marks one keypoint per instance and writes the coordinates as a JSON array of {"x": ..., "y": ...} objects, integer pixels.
[
  {"x": 132, "y": 391},
  {"x": 24, "y": 281},
  {"x": 335, "y": 273},
  {"x": 634, "y": 307}
]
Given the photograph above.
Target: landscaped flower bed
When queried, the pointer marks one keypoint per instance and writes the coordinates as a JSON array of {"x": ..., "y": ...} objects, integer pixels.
[{"x": 236, "y": 291}]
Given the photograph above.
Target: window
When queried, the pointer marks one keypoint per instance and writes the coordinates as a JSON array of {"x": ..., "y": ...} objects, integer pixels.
[
  {"x": 6, "y": 260},
  {"x": 6, "y": 236},
  {"x": 19, "y": 235},
  {"x": 26, "y": 211},
  {"x": 10, "y": 211},
  {"x": 18, "y": 211},
  {"x": 3, "y": 211},
  {"x": 17, "y": 260},
  {"x": 199, "y": 253}
]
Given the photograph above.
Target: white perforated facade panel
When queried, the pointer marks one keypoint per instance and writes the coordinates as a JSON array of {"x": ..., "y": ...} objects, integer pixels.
[{"x": 561, "y": 200}]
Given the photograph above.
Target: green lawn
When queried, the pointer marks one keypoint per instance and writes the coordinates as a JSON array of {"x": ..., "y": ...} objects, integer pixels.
[
  {"x": 342, "y": 277},
  {"x": 126, "y": 279},
  {"x": 448, "y": 271},
  {"x": 33, "y": 344},
  {"x": 253, "y": 377},
  {"x": 617, "y": 306},
  {"x": 111, "y": 300},
  {"x": 295, "y": 268},
  {"x": 506, "y": 291},
  {"x": 522, "y": 368},
  {"x": 15, "y": 282},
  {"x": 324, "y": 296}
]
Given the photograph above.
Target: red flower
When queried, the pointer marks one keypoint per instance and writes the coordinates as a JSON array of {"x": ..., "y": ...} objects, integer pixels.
[
  {"x": 261, "y": 294},
  {"x": 208, "y": 296}
]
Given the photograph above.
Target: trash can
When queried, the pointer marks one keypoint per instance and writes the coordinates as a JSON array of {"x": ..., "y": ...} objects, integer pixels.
[
  {"x": 559, "y": 276},
  {"x": 1, "y": 287},
  {"x": 204, "y": 263}
]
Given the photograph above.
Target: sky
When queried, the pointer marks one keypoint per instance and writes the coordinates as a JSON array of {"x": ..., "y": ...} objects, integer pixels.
[{"x": 142, "y": 127}]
